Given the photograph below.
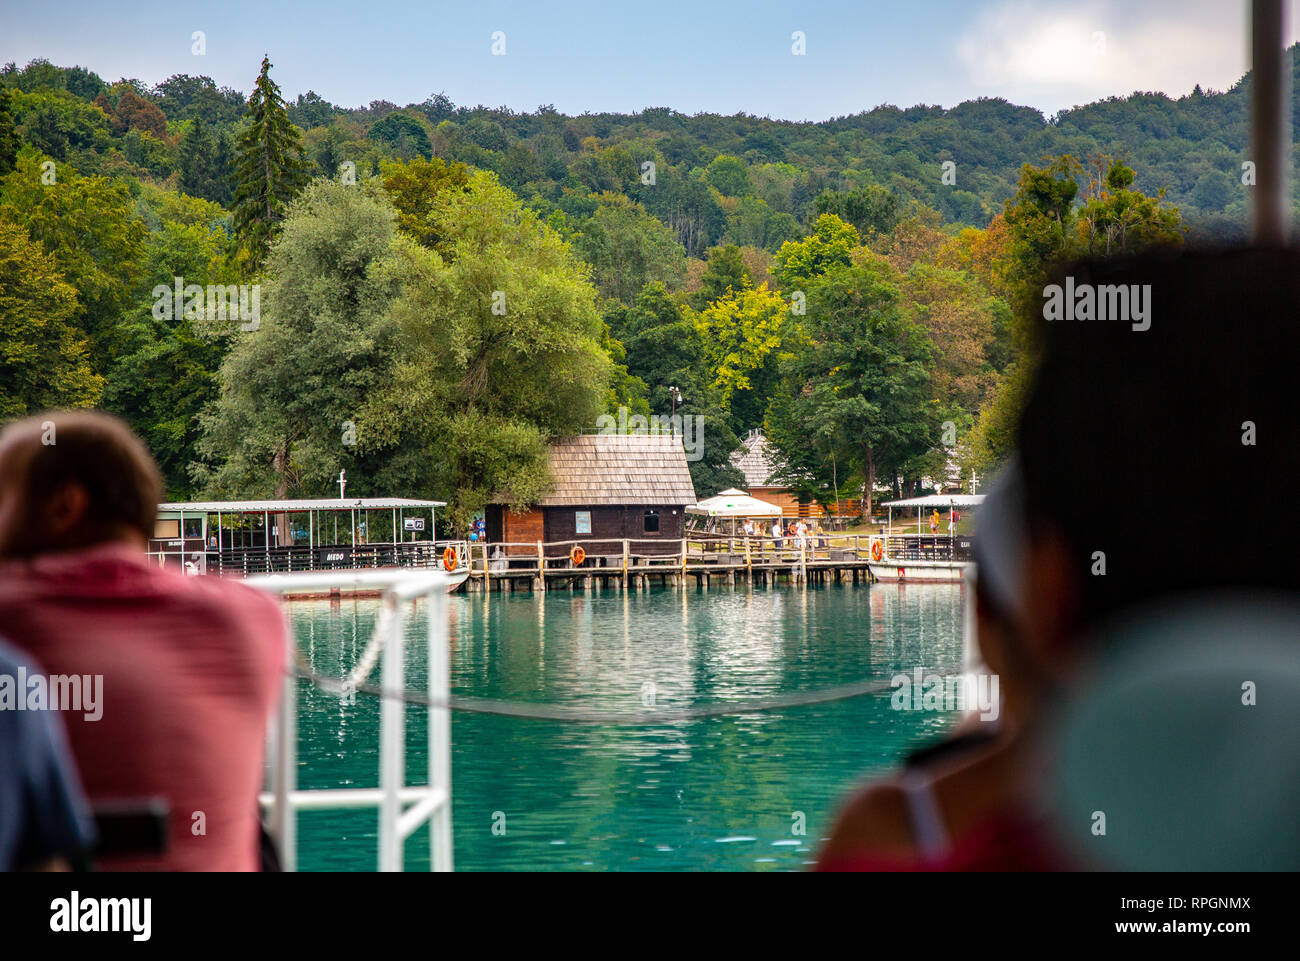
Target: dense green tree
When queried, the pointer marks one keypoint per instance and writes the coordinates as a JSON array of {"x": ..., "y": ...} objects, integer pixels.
[
  {"x": 89, "y": 226},
  {"x": 664, "y": 347},
  {"x": 223, "y": 170},
  {"x": 743, "y": 333},
  {"x": 500, "y": 339},
  {"x": 519, "y": 166},
  {"x": 687, "y": 205},
  {"x": 627, "y": 248},
  {"x": 1115, "y": 219},
  {"x": 166, "y": 373},
  {"x": 1042, "y": 217},
  {"x": 56, "y": 124},
  {"x": 182, "y": 97},
  {"x": 798, "y": 261},
  {"x": 8, "y": 134},
  {"x": 43, "y": 355},
  {"x": 405, "y": 134},
  {"x": 871, "y": 210},
  {"x": 416, "y": 188},
  {"x": 199, "y": 174},
  {"x": 968, "y": 327},
  {"x": 270, "y": 167},
  {"x": 322, "y": 346},
  {"x": 728, "y": 176},
  {"x": 860, "y": 379},
  {"x": 311, "y": 110},
  {"x": 725, "y": 271}
]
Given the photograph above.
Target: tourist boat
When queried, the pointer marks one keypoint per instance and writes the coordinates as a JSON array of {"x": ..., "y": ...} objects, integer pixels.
[
  {"x": 241, "y": 538},
  {"x": 901, "y": 556}
]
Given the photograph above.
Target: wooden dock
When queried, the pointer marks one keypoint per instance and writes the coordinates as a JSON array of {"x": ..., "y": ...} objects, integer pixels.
[{"x": 638, "y": 564}]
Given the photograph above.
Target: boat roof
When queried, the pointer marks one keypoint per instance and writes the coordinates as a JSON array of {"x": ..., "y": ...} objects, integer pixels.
[
  {"x": 298, "y": 504},
  {"x": 938, "y": 500}
]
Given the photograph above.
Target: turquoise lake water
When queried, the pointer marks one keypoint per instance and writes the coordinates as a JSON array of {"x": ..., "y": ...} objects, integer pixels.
[{"x": 718, "y": 793}]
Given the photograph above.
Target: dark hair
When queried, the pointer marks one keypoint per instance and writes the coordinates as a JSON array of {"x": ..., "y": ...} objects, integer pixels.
[
  {"x": 100, "y": 453},
  {"x": 1126, "y": 433}
]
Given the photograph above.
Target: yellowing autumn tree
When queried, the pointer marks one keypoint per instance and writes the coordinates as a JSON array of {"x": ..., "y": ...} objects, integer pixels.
[
  {"x": 43, "y": 358},
  {"x": 742, "y": 333}
]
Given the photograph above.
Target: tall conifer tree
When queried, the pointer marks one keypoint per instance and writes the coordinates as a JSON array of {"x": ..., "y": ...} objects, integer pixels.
[{"x": 270, "y": 168}]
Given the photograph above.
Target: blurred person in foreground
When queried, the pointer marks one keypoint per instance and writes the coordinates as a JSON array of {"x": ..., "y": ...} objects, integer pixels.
[
  {"x": 190, "y": 665},
  {"x": 45, "y": 822},
  {"x": 1127, "y": 654}
]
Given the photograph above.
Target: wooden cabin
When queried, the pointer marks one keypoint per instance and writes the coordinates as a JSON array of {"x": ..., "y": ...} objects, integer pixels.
[{"x": 607, "y": 488}]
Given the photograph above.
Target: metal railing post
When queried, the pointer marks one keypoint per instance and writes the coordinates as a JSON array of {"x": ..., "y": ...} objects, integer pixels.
[
  {"x": 440, "y": 849},
  {"x": 284, "y": 763},
  {"x": 429, "y": 802},
  {"x": 392, "y": 743}
]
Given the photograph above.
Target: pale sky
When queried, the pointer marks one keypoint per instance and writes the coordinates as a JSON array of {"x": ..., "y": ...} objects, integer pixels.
[{"x": 602, "y": 55}]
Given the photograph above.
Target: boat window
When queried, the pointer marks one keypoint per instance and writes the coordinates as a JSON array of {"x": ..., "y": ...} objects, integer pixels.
[
  {"x": 651, "y": 522},
  {"x": 194, "y": 527},
  {"x": 166, "y": 528}
]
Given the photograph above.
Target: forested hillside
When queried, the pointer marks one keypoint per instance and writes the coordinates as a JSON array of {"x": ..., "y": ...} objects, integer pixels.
[{"x": 853, "y": 285}]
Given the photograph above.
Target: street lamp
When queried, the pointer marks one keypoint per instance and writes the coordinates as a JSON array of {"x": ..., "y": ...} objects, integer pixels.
[{"x": 677, "y": 398}]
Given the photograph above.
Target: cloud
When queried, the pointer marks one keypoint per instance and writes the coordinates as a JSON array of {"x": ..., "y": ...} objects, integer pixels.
[{"x": 1057, "y": 55}]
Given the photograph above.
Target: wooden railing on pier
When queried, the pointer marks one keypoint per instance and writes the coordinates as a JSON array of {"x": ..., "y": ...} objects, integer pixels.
[
  {"x": 821, "y": 557},
  {"x": 623, "y": 561}
]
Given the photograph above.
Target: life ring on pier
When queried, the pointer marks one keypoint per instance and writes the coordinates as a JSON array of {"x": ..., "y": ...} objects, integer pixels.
[
  {"x": 449, "y": 558},
  {"x": 877, "y": 552},
  {"x": 577, "y": 556}
]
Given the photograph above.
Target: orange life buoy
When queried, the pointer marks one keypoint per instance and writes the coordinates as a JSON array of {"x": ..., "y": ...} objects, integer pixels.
[
  {"x": 577, "y": 555},
  {"x": 449, "y": 559},
  {"x": 876, "y": 551}
]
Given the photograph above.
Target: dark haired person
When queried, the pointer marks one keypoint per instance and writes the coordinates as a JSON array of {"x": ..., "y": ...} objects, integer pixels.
[
  {"x": 1128, "y": 419},
  {"x": 190, "y": 665}
]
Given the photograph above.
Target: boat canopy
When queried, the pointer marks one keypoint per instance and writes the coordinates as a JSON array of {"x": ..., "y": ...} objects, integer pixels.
[
  {"x": 291, "y": 506},
  {"x": 734, "y": 503},
  {"x": 938, "y": 500}
]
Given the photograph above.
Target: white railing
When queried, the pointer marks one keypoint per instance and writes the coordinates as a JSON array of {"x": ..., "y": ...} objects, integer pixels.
[{"x": 430, "y": 802}]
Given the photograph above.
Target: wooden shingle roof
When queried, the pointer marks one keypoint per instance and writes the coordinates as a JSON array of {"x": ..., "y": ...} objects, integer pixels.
[
  {"x": 754, "y": 459},
  {"x": 593, "y": 469}
]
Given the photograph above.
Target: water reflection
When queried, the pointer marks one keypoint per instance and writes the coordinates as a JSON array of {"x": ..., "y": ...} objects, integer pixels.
[{"x": 702, "y": 794}]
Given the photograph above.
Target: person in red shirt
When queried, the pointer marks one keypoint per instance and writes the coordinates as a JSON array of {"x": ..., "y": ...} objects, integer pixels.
[{"x": 190, "y": 666}]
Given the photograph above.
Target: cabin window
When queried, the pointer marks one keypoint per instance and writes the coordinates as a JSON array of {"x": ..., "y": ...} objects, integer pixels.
[
  {"x": 582, "y": 522},
  {"x": 650, "y": 523},
  {"x": 164, "y": 529},
  {"x": 194, "y": 527}
]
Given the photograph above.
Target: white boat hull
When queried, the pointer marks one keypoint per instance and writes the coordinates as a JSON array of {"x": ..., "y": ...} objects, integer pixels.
[{"x": 929, "y": 572}]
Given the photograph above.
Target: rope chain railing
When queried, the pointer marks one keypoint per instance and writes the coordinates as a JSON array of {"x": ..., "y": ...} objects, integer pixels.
[{"x": 343, "y": 687}]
